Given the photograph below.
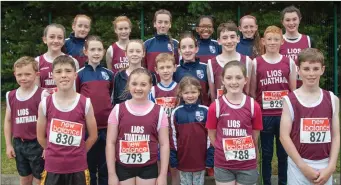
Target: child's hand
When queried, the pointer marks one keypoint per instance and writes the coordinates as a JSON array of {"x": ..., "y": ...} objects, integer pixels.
[
  {"x": 113, "y": 180},
  {"x": 43, "y": 154},
  {"x": 161, "y": 180},
  {"x": 310, "y": 173},
  {"x": 10, "y": 152},
  {"x": 325, "y": 174}
]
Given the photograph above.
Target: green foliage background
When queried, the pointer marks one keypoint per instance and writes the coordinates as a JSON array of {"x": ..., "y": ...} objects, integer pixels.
[{"x": 23, "y": 23}]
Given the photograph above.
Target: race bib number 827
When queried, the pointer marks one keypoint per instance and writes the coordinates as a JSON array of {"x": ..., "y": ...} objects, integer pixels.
[{"x": 315, "y": 130}]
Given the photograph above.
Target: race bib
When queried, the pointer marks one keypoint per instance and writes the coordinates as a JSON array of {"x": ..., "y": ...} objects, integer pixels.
[
  {"x": 168, "y": 103},
  {"x": 65, "y": 133},
  {"x": 220, "y": 92},
  {"x": 240, "y": 149},
  {"x": 51, "y": 90},
  {"x": 315, "y": 130},
  {"x": 273, "y": 99},
  {"x": 134, "y": 152}
]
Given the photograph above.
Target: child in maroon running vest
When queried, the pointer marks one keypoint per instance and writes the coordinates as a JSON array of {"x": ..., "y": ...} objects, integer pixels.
[
  {"x": 116, "y": 53},
  {"x": 21, "y": 119},
  {"x": 310, "y": 125},
  {"x": 53, "y": 37},
  {"x": 294, "y": 41},
  {"x": 273, "y": 76},
  {"x": 135, "y": 129},
  {"x": 228, "y": 39},
  {"x": 233, "y": 123},
  {"x": 63, "y": 118}
]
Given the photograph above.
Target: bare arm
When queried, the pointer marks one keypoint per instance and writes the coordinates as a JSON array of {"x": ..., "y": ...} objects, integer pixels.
[
  {"x": 112, "y": 133},
  {"x": 41, "y": 127},
  {"x": 253, "y": 79},
  {"x": 335, "y": 147},
  {"x": 108, "y": 59},
  {"x": 288, "y": 145},
  {"x": 249, "y": 71},
  {"x": 292, "y": 76},
  {"x": 91, "y": 127},
  {"x": 255, "y": 136},
  {"x": 212, "y": 134},
  {"x": 37, "y": 80},
  {"x": 211, "y": 85},
  {"x": 8, "y": 133},
  {"x": 164, "y": 150}
]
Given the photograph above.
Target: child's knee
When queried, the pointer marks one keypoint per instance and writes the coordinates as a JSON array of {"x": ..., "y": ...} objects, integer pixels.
[{"x": 27, "y": 180}]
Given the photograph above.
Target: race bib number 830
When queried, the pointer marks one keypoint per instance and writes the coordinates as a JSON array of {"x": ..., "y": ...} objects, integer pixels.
[{"x": 65, "y": 133}]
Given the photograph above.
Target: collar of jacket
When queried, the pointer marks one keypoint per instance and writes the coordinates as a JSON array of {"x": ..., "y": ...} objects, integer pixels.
[
  {"x": 75, "y": 39},
  {"x": 189, "y": 65}
]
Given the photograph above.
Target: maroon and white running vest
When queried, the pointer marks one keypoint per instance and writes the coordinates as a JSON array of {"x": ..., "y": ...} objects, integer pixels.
[
  {"x": 65, "y": 130},
  {"x": 24, "y": 113},
  {"x": 165, "y": 97},
  {"x": 292, "y": 48},
  {"x": 216, "y": 70},
  {"x": 312, "y": 125},
  {"x": 272, "y": 84},
  {"x": 119, "y": 59},
  {"x": 234, "y": 145},
  {"x": 137, "y": 139}
]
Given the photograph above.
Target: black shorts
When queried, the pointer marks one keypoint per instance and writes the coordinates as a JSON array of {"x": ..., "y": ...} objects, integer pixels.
[
  {"x": 77, "y": 178},
  {"x": 28, "y": 157},
  {"x": 146, "y": 172}
]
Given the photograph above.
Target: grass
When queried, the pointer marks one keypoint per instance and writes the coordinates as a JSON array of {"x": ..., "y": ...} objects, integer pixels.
[{"x": 8, "y": 166}]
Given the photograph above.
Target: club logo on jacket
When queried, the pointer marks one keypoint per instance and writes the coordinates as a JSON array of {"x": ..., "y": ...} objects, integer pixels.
[
  {"x": 199, "y": 115},
  {"x": 200, "y": 74},
  {"x": 212, "y": 49},
  {"x": 105, "y": 75},
  {"x": 169, "y": 46}
]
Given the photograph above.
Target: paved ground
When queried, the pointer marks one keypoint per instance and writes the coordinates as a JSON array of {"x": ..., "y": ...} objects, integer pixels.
[{"x": 14, "y": 180}]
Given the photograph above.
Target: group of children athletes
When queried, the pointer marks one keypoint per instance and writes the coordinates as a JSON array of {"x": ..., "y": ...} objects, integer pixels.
[{"x": 195, "y": 105}]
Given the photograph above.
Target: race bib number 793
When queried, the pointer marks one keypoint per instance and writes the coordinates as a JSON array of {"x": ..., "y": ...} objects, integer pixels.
[{"x": 134, "y": 152}]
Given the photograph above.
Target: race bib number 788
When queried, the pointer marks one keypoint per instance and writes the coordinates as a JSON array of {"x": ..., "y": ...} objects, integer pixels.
[{"x": 240, "y": 149}]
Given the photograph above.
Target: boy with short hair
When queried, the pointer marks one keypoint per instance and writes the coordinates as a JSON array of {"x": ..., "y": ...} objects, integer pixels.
[
  {"x": 310, "y": 125},
  {"x": 273, "y": 76},
  {"x": 63, "y": 118},
  {"x": 228, "y": 38},
  {"x": 21, "y": 119},
  {"x": 164, "y": 93}
]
